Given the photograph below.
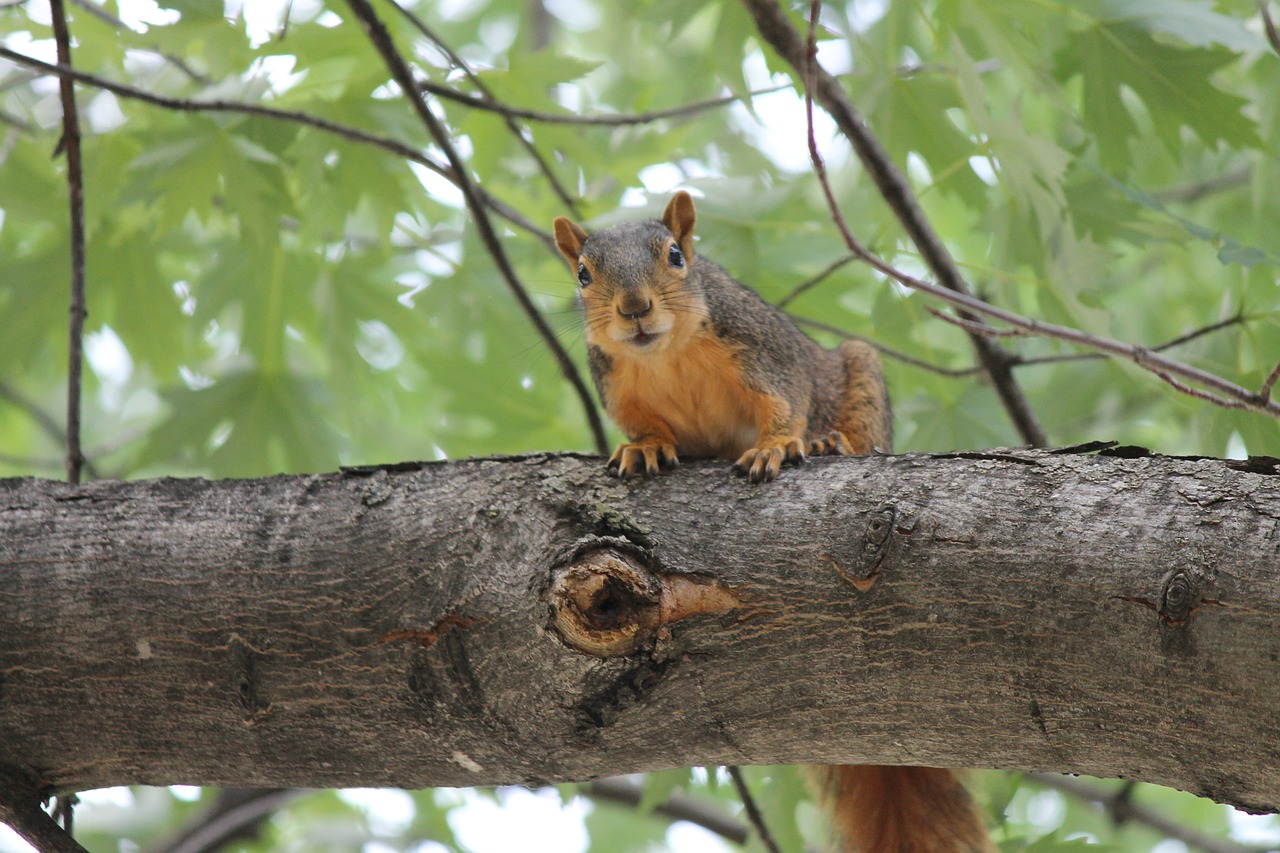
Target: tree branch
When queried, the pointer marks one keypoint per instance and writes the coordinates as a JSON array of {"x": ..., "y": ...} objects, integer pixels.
[
  {"x": 676, "y": 807},
  {"x": 381, "y": 40},
  {"x": 753, "y": 812},
  {"x": 20, "y": 809},
  {"x": 772, "y": 23},
  {"x": 531, "y": 620},
  {"x": 1121, "y": 808},
  {"x": 70, "y": 145}
]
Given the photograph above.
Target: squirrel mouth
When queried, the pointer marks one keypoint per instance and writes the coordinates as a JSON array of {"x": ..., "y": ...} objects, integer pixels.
[{"x": 643, "y": 339}]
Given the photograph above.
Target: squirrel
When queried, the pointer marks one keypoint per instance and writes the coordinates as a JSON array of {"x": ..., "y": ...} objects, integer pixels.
[{"x": 689, "y": 362}]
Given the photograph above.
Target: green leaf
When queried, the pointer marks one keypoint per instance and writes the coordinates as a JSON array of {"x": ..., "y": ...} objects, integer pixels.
[{"x": 1173, "y": 84}]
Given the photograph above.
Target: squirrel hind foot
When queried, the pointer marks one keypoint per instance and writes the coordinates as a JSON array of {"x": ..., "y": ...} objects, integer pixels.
[
  {"x": 761, "y": 464},
  {"x": 833, "y": 443},
  {"x": 642, "y": 459}
]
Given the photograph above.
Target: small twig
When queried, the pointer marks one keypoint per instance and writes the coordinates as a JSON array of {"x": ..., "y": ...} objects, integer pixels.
[
  {"x": 70, "y": 145},
  {"x": 1200, "y": 189},
  {"x": 890, "y": 352},
  {"x": 987, "y": 331},
  {"x": 381, "y": 40},
  {"x": 234, "y": 815},
  {"x": 619, "y": 120},
  {"x": 753, "y": 812},
  {"x": 487, "y": 95},
  {"x": 47, "y": 424},
  {"x": 1120, "y": 806},
  {"x": 810, "y": 283},
  {"x": 1264, "y": 394},
  {"x": 20, "y": 809},
  {"x": 1269, "y": 25},
  {"x": 676, "y": 807}
]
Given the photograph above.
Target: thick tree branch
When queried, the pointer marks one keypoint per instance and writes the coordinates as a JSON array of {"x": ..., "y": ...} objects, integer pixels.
[
  {"x": 20, "y": 809},
  {"x": 403, "y": 76},
  {"x": 531, "y": 620}
]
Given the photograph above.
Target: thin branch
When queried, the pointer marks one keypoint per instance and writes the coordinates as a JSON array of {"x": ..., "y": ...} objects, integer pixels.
[
  {"x": 381, "y": 40},
  {"x": 70, "y": 145},
  {"x": 1265, "y": 392},
  {"x": 20, "y": 809},
  {"x": 890, "y": 352},
  {"x": 351, "y": 134},
  {"x": 1269, "y": 25},
  {"x": 47, "y": 424},
  {"x": 235, "y": 815},
  {"x": 619, "y": 120},
  {"x": 1120, "y": 807},
  {"x": 975, "y": 328},
  {"x": 677, "y": 806},
  {"x": 810, "y": 283},
  {"x": 753, "y": 812},
  {"x": 487, "y": 95},
  {"x": 1160, "y": 365},
  {"x": 776, "y": 29},
  {"x": 1199, "y": 189}
]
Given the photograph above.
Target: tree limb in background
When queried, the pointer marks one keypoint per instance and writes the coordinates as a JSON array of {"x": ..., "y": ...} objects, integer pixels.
[
  {"x": 753, "y": 812},
  {"x": 771, "y": 22},
  {"x": 617, "y": 120},
  {"x": 237, "y": 814},
  {"x": 47, "y": 424},
  {"x": 677, "y": 806},
  {"x": 487, "y": 96},
  {"x": 1120, "y": 807},
  {"x": 70, "y": 145},
  {"x": 1214, "y": 388},
  {"x": 381, "y": 40}
]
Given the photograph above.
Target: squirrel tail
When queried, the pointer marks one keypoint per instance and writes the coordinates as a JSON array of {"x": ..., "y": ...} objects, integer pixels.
[{"x": 901, "y": 810}]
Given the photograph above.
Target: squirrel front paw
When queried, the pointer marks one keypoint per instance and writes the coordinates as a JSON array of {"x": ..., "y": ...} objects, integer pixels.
[
  {"x": 645, "y": 457},
  {"x": 832, "y": 444},
  {"x": 761, "y": 464}
]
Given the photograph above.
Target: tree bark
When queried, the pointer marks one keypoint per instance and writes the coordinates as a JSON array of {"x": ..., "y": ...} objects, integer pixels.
[{"x": 531, "y": 620}]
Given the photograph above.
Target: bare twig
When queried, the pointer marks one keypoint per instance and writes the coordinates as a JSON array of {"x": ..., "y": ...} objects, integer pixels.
[
  {"x": 1120, "y": 806},
  {"x": 753, "y": 812},
  {"x": 487, "y": 95},
  {"x": 987, "y": 331},
  {"x": 235, "y": 815},
  {"x": 1269, "y": 25},
  {"x": 1265, "y": 392},
  {"x": 47, "y": 424},
  {"x": 381, "y": 40},
  {"x": 70, "y": 145},
  {"x": 889, "y": 352},
  {"x": 810, "y": 283},
  {"x": 351, "y": 134},
  {"x": 618, "y": 120},
  {"x": 774, "y": 26},
  {"x": 1199, "y": 189},
  {"x": 676, "y": 807},
  {"x": 20, "y": 809}
]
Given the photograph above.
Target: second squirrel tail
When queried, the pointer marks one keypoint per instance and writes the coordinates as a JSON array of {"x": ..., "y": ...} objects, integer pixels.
[{"x": 901, "y": 810}]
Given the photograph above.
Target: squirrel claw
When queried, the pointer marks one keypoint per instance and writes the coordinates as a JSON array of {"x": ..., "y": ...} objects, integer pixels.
[
  {"x": 762, "y": 464},
  {"x": 641, "y": 459},
  {"x": 832, "y": 444}
]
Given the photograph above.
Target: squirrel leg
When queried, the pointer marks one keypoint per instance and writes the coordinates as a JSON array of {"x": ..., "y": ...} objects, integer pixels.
[{"x": 781, "y": 440}]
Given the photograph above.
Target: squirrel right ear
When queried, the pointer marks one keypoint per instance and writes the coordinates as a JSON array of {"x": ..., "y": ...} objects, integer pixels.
[
  {"x": 569, "y": 239},
  {"x": 679, "y": 218}
]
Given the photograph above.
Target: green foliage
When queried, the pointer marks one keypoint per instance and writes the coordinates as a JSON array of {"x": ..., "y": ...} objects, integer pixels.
[{"x": 266, "y": 296}]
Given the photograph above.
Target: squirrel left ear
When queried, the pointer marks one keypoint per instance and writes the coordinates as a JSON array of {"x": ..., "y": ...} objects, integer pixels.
[
  {"x": 569, "y": 239},
  {"x": 679, "y": 218}
]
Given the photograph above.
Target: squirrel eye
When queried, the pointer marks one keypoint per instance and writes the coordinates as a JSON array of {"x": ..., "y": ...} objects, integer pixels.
[
  {"x": 675, "y": 257},
  {"x": 584, "y": 275}
]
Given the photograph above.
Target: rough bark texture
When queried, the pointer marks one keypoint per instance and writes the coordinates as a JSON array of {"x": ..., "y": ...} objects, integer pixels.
[{"x": 531, "y": 620}]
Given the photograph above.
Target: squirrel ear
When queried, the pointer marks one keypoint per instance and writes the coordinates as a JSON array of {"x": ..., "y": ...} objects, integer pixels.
[
  {"x": 569, "y": 239},
  {"x": 679, "y": 218}
]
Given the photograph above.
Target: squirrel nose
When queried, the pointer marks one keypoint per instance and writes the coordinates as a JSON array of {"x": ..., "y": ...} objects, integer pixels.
[{"x": 634, "y": 310}]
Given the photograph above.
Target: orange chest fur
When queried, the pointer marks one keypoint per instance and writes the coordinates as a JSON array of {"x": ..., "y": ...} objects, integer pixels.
[{"x": 697, "y": 391}]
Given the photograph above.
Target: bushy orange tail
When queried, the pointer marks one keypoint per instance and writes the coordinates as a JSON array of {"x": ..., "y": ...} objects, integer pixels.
[{"x": 901, "y": 810}]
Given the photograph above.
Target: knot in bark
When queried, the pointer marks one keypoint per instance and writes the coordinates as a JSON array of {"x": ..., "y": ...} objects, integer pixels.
[{"x": 606, "y": 603}]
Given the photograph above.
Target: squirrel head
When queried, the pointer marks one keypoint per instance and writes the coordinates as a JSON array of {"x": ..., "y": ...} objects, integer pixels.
[{"x": 634, "y": 279}]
